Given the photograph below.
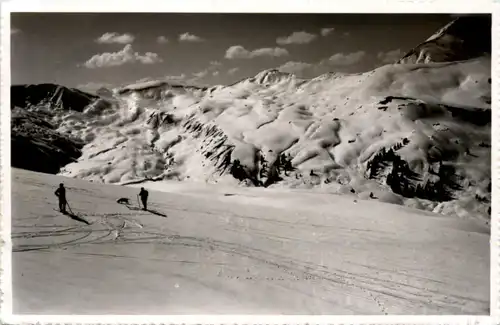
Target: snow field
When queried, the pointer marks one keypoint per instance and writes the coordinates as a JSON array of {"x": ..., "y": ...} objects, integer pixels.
[{"x": 242, "y": 250}]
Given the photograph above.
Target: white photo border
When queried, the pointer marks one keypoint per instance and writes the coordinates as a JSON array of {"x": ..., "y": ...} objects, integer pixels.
[{"x": 235, "y": 6}]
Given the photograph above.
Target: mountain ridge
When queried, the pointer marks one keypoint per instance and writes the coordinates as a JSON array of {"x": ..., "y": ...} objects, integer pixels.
[
  {"x": 461, "y": 39},
  {"x": 55, "y": 95}
]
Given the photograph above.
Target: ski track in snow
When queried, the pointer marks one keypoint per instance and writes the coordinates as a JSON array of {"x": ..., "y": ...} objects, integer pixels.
[{"x": 214, "y": 256}]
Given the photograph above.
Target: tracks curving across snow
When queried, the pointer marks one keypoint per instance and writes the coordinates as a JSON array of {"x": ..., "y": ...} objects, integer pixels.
[{"x": 276, "y": 253}]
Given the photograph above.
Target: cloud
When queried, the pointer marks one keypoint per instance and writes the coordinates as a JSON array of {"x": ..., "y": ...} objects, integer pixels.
[
  {"x": 333, "y": 63},
  {"x": 187, "y": 37},
  {"x": 93, "y": 87},
  {"x": 124, "y": 56},
  {"x": 197, "y": 76},
  {"x": 211, "y": 69},
  {"x": 158, "y": 79},
  {"x": 294, "y": 67},
  {"x": 162, "y": 40},
  {"x": 200, "y": 74},
  {"x": 143, "y": 80},
  {"x": 239, "y": 52},
  {"x": 296, "y": 38},
  {"x": 326, "y": 31},
  {"x": 176, "y": 78},
  {"x": 14, "y": 30},
  {"x": 277, "y": 51},
  {"x": 233, "y": 70},
  {"x": 109, "y": 38},
  {"x": 390, "y": 56},
  {"x": 148, "y": 58},
  {"x": 341, "y": 59}
]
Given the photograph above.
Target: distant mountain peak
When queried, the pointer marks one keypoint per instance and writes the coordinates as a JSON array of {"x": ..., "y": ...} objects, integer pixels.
[
  {"x": 50, "y": 94},
  {"x": 271, "y": 76},
  {"x": 463, "y": 38}
]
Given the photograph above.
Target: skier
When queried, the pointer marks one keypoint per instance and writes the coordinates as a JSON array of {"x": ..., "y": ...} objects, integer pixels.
[
  {"x": 144, "y": 198},
  {"x": 61, "y": 194}
]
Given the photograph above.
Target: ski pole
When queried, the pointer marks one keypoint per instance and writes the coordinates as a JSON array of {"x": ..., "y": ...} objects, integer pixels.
[{"x": 69, "y": 207}]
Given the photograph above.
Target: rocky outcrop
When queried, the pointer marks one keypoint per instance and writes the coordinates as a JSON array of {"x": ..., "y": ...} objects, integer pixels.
[
  {"x": 36, "y": 145},
  {"x": 464, "y": 38},
  {"x": 272, "y": 76},
  {"x": 157, "y": 90},
  {"x": 35, "y": 142},
  {"x": 49, "y": 94}
]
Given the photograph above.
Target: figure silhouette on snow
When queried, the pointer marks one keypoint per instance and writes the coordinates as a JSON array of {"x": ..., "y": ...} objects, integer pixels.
[
  {"x": 144, "y": 198},
  {"x": 61, "y": 194}
]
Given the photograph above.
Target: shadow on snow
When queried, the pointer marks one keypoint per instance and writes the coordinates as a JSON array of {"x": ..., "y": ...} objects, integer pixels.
[{"x": 148, "y": 210}]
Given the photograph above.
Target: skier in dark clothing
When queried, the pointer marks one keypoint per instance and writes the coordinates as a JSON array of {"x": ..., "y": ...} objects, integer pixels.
[
  {"x": 144, "y": 198},
  {"x": 61, "y": 194}
]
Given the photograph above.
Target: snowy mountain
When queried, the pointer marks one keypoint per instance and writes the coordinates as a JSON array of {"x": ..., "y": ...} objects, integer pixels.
[
  {"x": 417, "y": 134},
  {"x": 35, "y": 141},
  {"x": 157, "y": 90},
  {"x": 37, "y": 145},
  {"x": 464, "y": 38},
  {"x": 272, "y": 76},
  {"x": 49, "y": 94}
]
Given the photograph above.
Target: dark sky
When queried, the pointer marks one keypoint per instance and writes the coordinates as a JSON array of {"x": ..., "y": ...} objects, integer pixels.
[{"x": 63, "y": 48}]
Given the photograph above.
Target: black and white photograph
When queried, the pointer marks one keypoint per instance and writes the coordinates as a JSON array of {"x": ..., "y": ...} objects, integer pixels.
[{"x": 250, "y": 163}]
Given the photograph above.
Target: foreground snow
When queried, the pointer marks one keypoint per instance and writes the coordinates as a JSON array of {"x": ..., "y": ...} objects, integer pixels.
[{"x": 238, "y": 251}]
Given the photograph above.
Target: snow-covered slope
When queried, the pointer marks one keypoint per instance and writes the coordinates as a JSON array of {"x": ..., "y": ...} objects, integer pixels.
[
  {"x": 464, "y": 38},
  {"x": 414, "y": 134},
  {"x": 224, "y": 250}
]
